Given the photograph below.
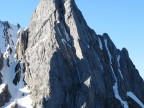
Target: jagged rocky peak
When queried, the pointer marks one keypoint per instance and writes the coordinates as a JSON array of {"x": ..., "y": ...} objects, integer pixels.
[
  {"x": 60, "y": 62},
  {"x": 69, "y": 65}
]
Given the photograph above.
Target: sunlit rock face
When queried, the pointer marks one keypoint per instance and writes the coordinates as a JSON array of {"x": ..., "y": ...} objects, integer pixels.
[{"x": 63, "y": 63}]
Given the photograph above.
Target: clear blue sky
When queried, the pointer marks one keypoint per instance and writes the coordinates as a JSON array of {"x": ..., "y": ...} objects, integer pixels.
[{"x": 123, "y": 20}]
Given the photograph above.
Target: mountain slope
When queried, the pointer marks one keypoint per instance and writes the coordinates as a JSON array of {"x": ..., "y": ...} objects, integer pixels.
[
  {"x": 13, "y": 89},
  {"x": 67, "y": 65},
  {"x": 74, "y": 67}
]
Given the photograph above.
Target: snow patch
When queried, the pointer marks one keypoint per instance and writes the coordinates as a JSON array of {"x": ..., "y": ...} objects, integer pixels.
[
  {"x": 2, "y": 86},
  {"x": 100, "y": 44},
  {"x": 23, "y": 97},
  {"x": 84, "y": 105},
  {"x": 108, "y": 50},
  {"x": 18, "y": 32},
  {"x": 20, "y": 93},
  {"x": 118, "y": 61},
  {"x": 26, "y": 29},
  {"x": 64, "y": 41},
  {"x": 58, "y": 22},
  {"x": 15, "y": 56},
  {"x": 131, "y": 95},
  {"x": 115, "y": 88},
  {"x": 6, "y": 53},
  {"x": 87, "y": 82},
  {"x": 88, "y": 46}
]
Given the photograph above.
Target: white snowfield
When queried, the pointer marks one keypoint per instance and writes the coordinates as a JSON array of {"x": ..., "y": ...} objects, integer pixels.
[
  {"x": 131, "y": 95},
  {"x": 20, "y": 93}
]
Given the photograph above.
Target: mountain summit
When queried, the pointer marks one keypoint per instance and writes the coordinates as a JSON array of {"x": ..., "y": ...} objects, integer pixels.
[{"x": 59, "y": 62}]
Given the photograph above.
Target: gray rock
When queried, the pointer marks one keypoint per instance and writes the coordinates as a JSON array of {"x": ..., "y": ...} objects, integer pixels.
[
  {"x": 4, "y": 96},
  {"x": 1, "y": 66},
  {"x": 67, "y": 73},
  {"x": 18, "y": 74},
  {"x": 22, "y": 44},
  {"x": 1, "y": 61},
  {"x": 69, "y": 66}
]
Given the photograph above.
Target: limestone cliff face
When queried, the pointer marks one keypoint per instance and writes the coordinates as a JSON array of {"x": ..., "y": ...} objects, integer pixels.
[
  {"x": 70, "y": 66},
  {"x": 62, "y": 63}
]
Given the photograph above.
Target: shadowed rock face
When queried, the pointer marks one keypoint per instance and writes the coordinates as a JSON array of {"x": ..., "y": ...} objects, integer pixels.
[
  {"x": 1, "y": 61},
  {"x": 1, "y": 66},
  {"x": 69, "y": 66},
  {"x": 4, "y": 96}
]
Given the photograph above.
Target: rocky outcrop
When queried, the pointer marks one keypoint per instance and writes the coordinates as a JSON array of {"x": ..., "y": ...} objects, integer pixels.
[
  {"x": 4, "y": 96},
  {"x": 15, "y": 106},
  {"x": 18, "y": 74},
  {"x": 68, "y": 65},
  {"x": 1, "y": 61},
  {"x": 21, "y": 44},
  {"x": 1, "y": 66}
]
